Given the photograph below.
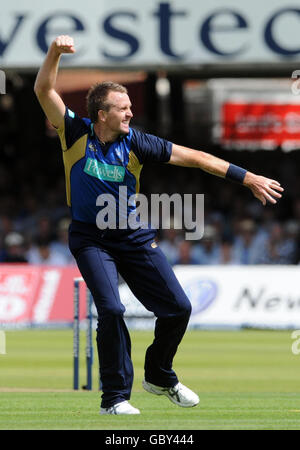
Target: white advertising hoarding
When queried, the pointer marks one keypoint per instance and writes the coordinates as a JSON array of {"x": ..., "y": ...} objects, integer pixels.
[
  {"x": 120, "y": 33},
  {"x": 235, "y": 296}
]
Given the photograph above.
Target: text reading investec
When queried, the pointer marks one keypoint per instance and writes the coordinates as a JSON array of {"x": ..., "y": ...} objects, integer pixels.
[{"x": 121, "y": 25}]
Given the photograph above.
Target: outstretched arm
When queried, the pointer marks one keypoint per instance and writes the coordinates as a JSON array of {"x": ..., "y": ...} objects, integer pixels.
[
  {"x": 44, "y": 87},
  {"x": 264, "y": 189}
]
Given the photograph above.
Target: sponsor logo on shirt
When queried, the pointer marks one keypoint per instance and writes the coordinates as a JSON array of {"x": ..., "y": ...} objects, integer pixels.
[
  {"x": 105, "y": 172},
  {"x": 71, "y": 114}
]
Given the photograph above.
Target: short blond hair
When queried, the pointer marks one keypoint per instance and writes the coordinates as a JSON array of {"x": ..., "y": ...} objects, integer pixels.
[{"x": 97, "y": 96}]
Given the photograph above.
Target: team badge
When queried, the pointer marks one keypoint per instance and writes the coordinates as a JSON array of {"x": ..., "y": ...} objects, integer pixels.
[{"x": 92, "y": 147}]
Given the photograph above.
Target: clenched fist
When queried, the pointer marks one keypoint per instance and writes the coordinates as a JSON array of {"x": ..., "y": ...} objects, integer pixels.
[{"x": 64, "y": 44}]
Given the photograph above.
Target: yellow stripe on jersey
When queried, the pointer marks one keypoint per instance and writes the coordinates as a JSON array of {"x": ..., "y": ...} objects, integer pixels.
[
  {"x": 70, "y": 157},
  {"x": 61, "y": 133},
  {"x": 135, "y": 167}
]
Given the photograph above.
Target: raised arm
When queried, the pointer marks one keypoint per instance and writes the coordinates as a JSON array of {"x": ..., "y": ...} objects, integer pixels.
[
  {"x": 44, "y": 87},
  {"x": 264, "y": 189}
]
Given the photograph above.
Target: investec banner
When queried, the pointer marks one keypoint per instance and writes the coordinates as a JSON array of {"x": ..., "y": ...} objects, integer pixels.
[
  {"x": 236, "y": 296},
  {"x": 149, "y": 32}
]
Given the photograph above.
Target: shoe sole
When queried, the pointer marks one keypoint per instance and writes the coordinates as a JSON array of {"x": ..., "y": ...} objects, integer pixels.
[
  {"x": 119, "y": 414},
  {"x": 104, "y": 413},
  {"x": 153, "y": 391}
]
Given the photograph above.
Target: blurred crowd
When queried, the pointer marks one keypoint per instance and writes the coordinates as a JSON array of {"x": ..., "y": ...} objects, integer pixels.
[
  {"x": 237, "y": 228},
  {"x": 34, "y": 218},
  {"x": 276, "y": 243},
  {"x": 44, "y": 244},
  {"x": 246, "y": 243}
]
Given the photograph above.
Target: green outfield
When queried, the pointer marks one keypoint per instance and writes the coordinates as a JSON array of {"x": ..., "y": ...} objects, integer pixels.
[{"x": 245, "y": 380}]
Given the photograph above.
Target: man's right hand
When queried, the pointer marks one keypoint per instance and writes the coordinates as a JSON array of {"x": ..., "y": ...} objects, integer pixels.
[
  {"x": 44, "y": 87},
  {"x": 64, "y": 44}
]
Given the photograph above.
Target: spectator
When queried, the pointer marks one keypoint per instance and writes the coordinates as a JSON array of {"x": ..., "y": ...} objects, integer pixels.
[
  {"x": 292, "y": 235},
  {"x": 169, "y": 244},
  {"x": 277, "y": 248},
  {"x": 14, "y": 251},
  {"x": 42, "y": 253},
  {"x": 207, "y": 252},
  {"x": 61, "y": 245},
  {"x": 6, "y": 224},
  {"x": 45, "y": 229},
  {"x": 185, "y": 254},
  {"x": 226, "y": 253},
  {"x": 247, "y": 246}
]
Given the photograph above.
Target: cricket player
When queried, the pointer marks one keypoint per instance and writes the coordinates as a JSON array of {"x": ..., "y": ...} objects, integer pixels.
[{"x": 101, "y": 154}]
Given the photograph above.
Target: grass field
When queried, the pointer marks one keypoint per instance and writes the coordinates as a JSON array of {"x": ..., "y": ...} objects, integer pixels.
[{"x": 246, "y": 380}]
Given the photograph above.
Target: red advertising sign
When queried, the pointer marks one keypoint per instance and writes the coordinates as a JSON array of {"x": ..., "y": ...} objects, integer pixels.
[
  {"x": 257, "y": 125},
  {"x": 37, "y": 294}
]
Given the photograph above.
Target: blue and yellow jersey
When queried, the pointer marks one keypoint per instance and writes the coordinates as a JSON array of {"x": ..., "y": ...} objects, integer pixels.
[{"x": 92, "y": 169}]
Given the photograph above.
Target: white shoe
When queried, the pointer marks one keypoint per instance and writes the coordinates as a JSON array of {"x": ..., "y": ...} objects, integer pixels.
[
  {"x": 120, "y": 408},
  {"x": 179, "y": 394}
]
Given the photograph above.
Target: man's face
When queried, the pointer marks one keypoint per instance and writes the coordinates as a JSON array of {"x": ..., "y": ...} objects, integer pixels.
[{"x": 118, "y": 117}]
